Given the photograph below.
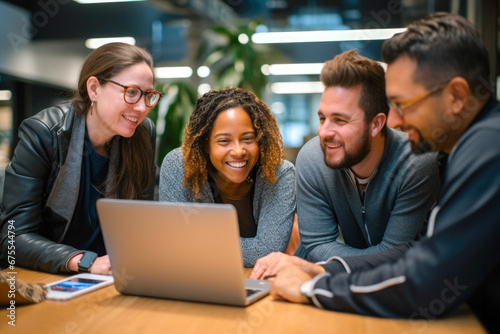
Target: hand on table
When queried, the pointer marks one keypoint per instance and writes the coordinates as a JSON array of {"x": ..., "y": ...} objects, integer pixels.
[
  {"x": 272, "y": 264},
  {"x": 101, "y": 265},
  {"x": 286, "y": 284}
]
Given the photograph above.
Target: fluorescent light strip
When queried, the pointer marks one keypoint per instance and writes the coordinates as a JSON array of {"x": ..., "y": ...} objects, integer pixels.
[
  {"x": 298, "y": 69},
  {"x": 88, "y": 2},
  {"x": 305, "y": 87},
  {"x": 5, "y": 95},
  {"x": 174, "y": 72},
  {"x": 324, "y": 36},
  {"x": 94, "y": 43},
  {"x": 292, "y": 69}
]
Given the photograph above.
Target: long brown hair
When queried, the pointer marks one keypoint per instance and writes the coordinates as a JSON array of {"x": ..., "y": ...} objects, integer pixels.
[
  {"x": 195, "y": 146},
  {"x": 133, "y": 175}
]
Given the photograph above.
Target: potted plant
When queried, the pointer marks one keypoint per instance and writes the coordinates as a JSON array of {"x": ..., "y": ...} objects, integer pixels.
[
  {"x": 233, "y": 59},
  {"x": 174, "y": 110}
]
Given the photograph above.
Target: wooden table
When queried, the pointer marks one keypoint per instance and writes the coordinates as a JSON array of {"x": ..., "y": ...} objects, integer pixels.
[{"x": 106, "y": 311}]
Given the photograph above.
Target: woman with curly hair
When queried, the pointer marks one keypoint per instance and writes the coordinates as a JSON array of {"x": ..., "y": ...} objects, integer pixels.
[{"x": 233, "y": 153}]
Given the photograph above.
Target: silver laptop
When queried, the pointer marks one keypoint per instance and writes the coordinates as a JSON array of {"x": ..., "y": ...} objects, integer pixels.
[{"x": 185, "y": 251}]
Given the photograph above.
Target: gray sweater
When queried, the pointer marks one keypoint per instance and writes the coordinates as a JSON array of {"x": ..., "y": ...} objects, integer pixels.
[
  {"x": 273, "y": 205},
  {"x": 397, "y": 201}
]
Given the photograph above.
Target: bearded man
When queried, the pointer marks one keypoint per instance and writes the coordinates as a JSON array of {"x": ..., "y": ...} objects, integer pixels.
[{"x": 358, "y": 180}]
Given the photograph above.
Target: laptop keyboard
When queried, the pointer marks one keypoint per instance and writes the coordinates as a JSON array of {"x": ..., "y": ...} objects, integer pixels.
[{"x": 251, "y": 292}]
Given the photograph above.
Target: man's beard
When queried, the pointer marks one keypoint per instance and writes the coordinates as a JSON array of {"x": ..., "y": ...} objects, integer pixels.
[
  {"x": 422, "y": 145},
  {"x": 362, "y": 148}
]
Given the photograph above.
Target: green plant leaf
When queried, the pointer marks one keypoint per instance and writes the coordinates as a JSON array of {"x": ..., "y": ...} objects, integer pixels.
[
  {"x": 183, "y": 98},
  {"x": 223, "y": 58}
]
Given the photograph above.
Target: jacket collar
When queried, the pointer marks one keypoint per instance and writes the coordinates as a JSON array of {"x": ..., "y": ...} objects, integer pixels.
[{"x": 64, "y": 194}]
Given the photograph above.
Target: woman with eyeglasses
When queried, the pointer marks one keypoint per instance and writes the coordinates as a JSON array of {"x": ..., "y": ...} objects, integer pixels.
[
  {"x": 98, "y": 145},
  {"x": 233, "y": 153}
]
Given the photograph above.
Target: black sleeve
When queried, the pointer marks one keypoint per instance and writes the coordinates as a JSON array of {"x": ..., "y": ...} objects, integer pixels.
[
  {"x": 447, "y": 267},
  {"x": 351, "y": 264},
  {"x": 25, "y": 190}
]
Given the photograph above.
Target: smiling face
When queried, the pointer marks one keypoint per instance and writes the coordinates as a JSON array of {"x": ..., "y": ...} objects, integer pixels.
[
  {"x": 111, "y": 115},
  {"x": 394, "y": 121},
  {"x": 425, "y": 121},
  {"x": 232, "y": 147},
  {"x": 344, "y": 134}
]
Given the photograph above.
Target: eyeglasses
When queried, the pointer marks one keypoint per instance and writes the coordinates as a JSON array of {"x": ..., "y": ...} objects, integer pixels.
[
  {"x": 402, "y": 105},
  {"x": 132, "y": 94}
]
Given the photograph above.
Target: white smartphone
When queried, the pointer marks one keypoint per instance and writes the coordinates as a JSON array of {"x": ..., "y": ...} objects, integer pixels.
[{"x": 77, "y": 285}]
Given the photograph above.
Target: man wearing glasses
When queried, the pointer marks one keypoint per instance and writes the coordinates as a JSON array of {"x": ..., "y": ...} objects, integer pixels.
[{"x": 438, "y": 84}]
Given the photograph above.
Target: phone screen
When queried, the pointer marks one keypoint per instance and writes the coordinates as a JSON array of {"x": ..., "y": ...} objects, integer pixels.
[{"x": 75, "y": 284}]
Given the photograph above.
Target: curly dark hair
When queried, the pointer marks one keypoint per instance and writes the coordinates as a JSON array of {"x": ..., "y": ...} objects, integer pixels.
[{"x": 197, "y": 132}]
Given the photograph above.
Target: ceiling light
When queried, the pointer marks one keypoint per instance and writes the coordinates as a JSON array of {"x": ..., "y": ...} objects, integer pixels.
[
  {"x": 265, "y": 69},
  {"x": 243, "y": 38},
  {"x": 305, "y": 87},
  {"x": 292, "y": 69},
  {"x": 204, "y": 88},
  {"x": 324, "y": 36},
  {"x": 5, "y": 95},
  {"x": 203, "y": 71},
  {"x": 174, "y": 72},
  {"x": 94, "y": 43},
  {"x": 278, "y": 107},
  {"x": 298, "y": 69},
  {"x": 87, "y": 2}
]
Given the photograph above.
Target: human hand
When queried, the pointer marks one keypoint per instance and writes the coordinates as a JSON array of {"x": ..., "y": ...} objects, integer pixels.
[
  {"x": 286, "y": 284},
  {"x": 101, "y": 266},
  {"x": 270, "y": 265}
]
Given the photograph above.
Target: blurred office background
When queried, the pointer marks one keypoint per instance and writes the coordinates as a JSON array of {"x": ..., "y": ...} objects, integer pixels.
[{"x": 43, "y": 44}]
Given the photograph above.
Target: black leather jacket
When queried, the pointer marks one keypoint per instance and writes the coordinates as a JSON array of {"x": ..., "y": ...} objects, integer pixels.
[{"x": 29, "y": 179}]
